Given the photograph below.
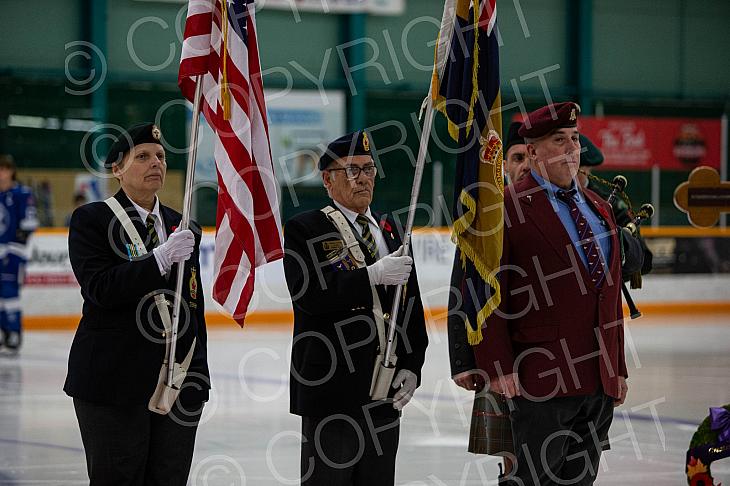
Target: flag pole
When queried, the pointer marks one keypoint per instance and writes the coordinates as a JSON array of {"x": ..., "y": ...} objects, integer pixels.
[
  {"x": 185, "y": 223},
  {"x": 420, "y": 163},
  {"x": 444, "y": 41}
]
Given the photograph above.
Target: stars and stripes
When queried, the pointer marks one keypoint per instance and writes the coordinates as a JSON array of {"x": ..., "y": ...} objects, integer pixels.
[{"x": 220, "y": 45}]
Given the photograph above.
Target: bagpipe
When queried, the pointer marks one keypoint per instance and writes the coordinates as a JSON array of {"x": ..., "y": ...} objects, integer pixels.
[
  {"x": 636, "y": 218},
  {"x": 618, "y": 186}
]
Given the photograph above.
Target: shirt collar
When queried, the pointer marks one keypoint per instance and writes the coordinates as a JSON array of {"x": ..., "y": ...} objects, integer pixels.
[
  {"x": 143, "y": 212},
  {"x": 552, "y": 188},
  {"x": 352, "y": 215}
]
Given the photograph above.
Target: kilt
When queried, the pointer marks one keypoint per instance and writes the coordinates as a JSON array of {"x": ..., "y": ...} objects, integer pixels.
[{"x": 491, "y": 429}]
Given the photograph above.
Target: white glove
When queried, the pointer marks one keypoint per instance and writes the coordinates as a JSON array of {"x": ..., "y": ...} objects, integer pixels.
[
  {"x": 406, "y": 380},
  {"x": 393, "y": 269},
  {"x": 178, "y": 248}
]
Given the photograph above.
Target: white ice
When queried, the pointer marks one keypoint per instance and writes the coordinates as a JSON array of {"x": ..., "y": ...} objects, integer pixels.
[{"x": 678, "y": 368}]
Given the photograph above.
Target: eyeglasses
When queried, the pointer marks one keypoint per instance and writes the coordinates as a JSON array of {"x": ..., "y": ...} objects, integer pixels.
[{"x": 353, "y": 171}]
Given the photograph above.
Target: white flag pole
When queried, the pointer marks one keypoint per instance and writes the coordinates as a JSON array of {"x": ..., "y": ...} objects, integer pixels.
[
  {"x": 184, "y": 224},
  {"x": 442, "y": 51},
  {"x": 420, "y": 163}
]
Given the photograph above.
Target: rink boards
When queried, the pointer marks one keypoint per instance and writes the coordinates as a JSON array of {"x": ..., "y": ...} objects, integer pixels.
[{"x": 51, "y": 296}]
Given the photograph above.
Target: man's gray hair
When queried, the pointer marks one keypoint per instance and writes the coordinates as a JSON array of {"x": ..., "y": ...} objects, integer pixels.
[{"x": 329, "y": 194}]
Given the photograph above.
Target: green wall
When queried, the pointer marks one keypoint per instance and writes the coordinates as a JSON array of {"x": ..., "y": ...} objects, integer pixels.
[
  {"x": 674, "y": 48},
  {"x": 34, "y": 34}
]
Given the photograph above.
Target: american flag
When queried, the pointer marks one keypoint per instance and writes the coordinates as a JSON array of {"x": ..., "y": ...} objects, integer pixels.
[{"x": 220, "y": 44}]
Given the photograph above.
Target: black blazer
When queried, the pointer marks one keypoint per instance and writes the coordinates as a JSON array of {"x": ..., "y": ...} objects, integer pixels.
[
  {"x": 335, "y": 339},
  {"x": 118, "y": 348},
  {"x": 461, "y": 354}
]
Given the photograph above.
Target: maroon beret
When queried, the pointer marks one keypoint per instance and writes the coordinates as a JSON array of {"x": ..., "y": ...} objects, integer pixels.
[{"x": 545, "y": 120}]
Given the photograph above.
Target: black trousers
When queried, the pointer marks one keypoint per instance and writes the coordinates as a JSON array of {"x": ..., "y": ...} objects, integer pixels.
[
  {"x": 559, "y": 441},
  {"x": 342, "y": 451},
  {"x": 129, "y": 445}
]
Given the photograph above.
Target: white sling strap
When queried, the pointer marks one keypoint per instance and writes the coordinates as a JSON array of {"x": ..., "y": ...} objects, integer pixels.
[
  {"x": 181, "y": 369},
  {"x": 353, "y": 247},
  {"x": 351, "y": 243}
]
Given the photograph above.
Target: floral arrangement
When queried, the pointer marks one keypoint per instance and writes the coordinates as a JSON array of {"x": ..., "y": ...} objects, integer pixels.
[{"x": 710, "y": 443}]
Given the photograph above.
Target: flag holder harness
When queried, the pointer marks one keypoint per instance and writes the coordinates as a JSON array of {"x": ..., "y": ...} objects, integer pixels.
[
  {"x": 164, "y": 396},
  {"x": 382, "y": 376}
]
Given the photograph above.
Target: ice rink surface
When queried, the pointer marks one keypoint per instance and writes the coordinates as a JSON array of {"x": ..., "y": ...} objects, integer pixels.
[{"x": 678, "y": 368}]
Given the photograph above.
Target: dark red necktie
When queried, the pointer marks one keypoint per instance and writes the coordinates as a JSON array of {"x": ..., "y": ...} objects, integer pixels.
[{"x": 588, "y": 241}]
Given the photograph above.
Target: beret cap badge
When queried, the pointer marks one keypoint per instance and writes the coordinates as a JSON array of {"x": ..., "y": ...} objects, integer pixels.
[
  {"x": 547, "y": 119},
  {"x": 129, "y": 138},
  {"x": 350, "y": 145}
]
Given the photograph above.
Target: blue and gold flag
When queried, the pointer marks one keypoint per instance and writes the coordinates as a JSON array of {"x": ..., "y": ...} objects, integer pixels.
[{"x": 465, "y": 88}]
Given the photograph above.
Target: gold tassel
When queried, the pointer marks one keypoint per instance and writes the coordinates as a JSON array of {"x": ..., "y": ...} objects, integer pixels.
[
  {"x": 225, "y": 92},
  {"x": 636, "y": 280},
  {"x": 473, "y": 336}
]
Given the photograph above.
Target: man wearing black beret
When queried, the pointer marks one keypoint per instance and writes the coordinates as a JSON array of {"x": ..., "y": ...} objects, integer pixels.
[
  {"x": 123, "y": 253},
  {"x": 555, "y": 346},
  {"x": 516, "y": 163},
  {"x": 342, "y": 264}
]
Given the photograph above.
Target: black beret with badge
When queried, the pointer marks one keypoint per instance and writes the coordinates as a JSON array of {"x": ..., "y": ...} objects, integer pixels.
[
  {"x": 590, "y": 155},
  {"x": 136, "y": 135},
  {"x": 355, "y": 143},
  {"x": 547, "y": 119}
]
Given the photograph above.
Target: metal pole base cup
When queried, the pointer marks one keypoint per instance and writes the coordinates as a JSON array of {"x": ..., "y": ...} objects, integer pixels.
[{"x": 382, "y": 378}]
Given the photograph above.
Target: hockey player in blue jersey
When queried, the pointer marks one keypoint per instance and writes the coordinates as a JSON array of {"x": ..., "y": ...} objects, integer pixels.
[{"x": 17, "y": 221}]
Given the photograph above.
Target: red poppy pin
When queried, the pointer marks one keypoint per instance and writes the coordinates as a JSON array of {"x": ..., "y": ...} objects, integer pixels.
[
  {"x": 384, "y": 225},
  {"x": 602, "y": 210}
]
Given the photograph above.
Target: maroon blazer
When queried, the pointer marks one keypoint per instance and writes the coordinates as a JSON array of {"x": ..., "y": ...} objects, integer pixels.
[{"x": 560, "y": 333}]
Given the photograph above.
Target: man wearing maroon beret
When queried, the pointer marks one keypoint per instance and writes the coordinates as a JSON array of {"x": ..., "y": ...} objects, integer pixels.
[{"x": 555, "y": 345}]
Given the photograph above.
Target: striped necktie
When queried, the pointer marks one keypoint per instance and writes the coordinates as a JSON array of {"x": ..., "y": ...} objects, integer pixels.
[
  {"x": 588, "y": 241},
  {"x": 153, "y": 238},
  {"x": 367, "y": 236}
]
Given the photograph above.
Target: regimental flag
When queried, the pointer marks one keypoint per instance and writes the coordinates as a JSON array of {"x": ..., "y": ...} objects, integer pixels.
[
  {"x": 220, "y": 44},
  {"x": 465, "y": 88}
]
